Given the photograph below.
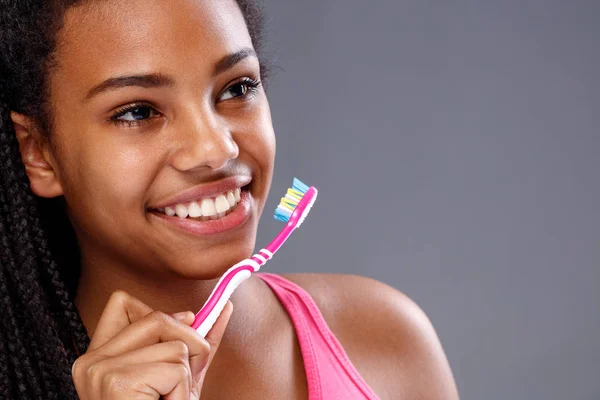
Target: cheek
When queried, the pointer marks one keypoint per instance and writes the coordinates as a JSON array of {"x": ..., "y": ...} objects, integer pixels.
[
  {"x": 259, "y": 144},
  {"x": 258, "y": 137},
  {"x": 126, "y": 174},
  {"x": 265, "y": 148},
  {"x": 106, "y": 179},
  {"x": 268, "y": 135}
]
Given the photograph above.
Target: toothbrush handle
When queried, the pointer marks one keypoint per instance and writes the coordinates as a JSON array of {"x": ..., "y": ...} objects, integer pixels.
[
  {"x": 208, "y": 314},
  {"x": 238, "y": 277}
]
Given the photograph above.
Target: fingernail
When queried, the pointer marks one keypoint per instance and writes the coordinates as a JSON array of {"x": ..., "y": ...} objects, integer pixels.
[
  {"x": 180, "y": 316},
  {"x": 194, "y": 394}
]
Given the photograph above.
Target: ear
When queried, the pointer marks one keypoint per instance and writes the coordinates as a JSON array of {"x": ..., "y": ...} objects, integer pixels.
[{"x": 37, "y": 157}]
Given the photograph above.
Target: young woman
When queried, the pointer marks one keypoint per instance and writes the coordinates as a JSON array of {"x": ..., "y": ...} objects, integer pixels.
[{"x": 114, "y": 116}]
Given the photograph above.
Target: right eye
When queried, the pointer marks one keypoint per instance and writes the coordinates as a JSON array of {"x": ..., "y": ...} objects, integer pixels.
[{"x": 133, "y": 115}]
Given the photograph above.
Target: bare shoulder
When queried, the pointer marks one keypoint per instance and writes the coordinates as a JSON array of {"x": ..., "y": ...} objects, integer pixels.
[{"x": 388, "y": 338}]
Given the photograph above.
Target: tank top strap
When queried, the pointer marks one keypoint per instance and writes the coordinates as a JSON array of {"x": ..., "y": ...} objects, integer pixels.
[{"x": 329, "y": 372}]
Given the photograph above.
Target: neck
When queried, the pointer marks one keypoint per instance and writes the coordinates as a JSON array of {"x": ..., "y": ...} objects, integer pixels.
[{"x": 167, "y": 294}]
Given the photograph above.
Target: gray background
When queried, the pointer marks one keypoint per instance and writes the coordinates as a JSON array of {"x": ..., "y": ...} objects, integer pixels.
[{"x": 455, "y": 144}]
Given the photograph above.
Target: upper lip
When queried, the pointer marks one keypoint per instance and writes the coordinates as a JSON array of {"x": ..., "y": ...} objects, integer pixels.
[{"x": 212, "y": 189}]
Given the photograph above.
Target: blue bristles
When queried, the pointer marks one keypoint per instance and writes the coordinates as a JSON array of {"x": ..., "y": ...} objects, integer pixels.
[
  {"x": 282, "y": 216},
  {"x": 299, "y": 186}
]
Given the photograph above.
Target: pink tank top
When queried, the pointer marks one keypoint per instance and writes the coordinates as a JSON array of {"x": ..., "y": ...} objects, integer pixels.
[{"x": 329, "y": 372}]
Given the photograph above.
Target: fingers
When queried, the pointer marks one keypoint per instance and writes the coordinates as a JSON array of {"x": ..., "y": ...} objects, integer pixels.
[
  {"x": 156, "y": 327},
  {"x": 146, "y": 381},
  {"x": 185, "y": 317},
  {"x": 144, "y": 327},
  {"x": 132, "y": 340},
  {"x": 169, "y": 380},
  {"x": 163, "y": 376},
  {"x": 168, "y": 352},
  {"x": 120, "y": 311}
]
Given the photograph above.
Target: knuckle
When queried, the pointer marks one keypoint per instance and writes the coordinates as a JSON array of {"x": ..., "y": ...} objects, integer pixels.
[
  {"x": 159, "y": 317},
  {"x": 76, "y": 367},
  {"x": 112, "y": 380},
  {"x": 138, "y": 386},
  {"x": 119, "y": 296},
  {"x": 183, "y": 371},
  {"x": 93, "y": 371},
  {"x": 83, "y": 364},
  {"x": 78, "y": 375},
  {"x": 206, "y": 348},
  {"x": 181, "y": 349}
]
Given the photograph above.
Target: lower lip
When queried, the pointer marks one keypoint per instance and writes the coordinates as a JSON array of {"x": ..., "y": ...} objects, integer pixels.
[{"x": 203, "y": 228}]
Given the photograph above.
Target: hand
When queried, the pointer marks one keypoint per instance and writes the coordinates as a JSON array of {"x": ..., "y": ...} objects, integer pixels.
[{"x": 139, "y": 353}]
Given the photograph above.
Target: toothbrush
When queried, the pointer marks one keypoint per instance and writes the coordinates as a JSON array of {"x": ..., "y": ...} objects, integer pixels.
[{"x": 292, "y": 209}]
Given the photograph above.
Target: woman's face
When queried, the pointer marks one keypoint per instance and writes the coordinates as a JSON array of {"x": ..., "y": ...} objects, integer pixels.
[{"x": 151, "y": 100}]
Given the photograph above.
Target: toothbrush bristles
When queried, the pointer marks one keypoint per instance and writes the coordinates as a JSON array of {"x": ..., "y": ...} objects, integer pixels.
[{"x": 288, "y": 204}]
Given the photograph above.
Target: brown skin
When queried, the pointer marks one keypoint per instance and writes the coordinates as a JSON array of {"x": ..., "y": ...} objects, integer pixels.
[
  {"x": 140, "y": 353},
  {"x": 110, "y": 175}
]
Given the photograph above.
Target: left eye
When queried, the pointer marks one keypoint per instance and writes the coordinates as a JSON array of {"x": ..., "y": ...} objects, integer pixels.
[{"x": 240, "y": 89}]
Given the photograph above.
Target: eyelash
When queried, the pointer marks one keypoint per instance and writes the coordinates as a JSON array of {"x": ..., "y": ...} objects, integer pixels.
[{"x": 252, "y": 87}]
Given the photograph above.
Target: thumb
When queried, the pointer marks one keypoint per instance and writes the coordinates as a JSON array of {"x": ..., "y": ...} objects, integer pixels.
[{"x": 214, "y": 337}]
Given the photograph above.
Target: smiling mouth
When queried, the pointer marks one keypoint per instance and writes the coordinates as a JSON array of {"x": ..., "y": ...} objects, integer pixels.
[{"x": 206, "y": 208}]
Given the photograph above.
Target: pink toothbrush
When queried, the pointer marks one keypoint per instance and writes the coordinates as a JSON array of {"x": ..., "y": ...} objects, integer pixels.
[{"x": 293, "y": 209}]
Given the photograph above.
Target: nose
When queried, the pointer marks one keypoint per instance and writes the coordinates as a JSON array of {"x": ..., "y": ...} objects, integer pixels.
[{"x": 202, "y": 140}]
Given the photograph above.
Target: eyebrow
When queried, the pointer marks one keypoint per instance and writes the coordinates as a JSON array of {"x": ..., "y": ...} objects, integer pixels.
[
  {"x": 157, "y": 80},
  {"x": 232, "y": 59}
]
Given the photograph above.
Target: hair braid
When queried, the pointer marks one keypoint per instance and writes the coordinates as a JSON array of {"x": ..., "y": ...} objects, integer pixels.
[
  {"x": 5, "y": 374},
  {"x": 20, "y": 260},
  {"x": 59, "y": 288}
]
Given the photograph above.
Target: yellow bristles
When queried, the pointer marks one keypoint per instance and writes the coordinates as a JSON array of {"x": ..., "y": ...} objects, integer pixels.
[
  {"x": 287, "y": 203},
  {"x": 291, "y": 199},
  {"x": 296, "y": 194}
]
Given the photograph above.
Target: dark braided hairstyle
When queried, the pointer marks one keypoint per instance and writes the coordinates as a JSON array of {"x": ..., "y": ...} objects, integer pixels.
[{"x": 41, "y": 330}]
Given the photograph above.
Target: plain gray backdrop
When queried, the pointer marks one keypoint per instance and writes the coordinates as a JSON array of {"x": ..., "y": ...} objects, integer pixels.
[{"x": 456, "y": 148}]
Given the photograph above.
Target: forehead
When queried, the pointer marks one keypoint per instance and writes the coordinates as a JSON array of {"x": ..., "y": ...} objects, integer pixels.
[{"x": 105, "y": 38}]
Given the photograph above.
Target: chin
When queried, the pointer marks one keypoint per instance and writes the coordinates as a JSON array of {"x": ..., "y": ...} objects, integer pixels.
[{"x": 212, "y": 265}]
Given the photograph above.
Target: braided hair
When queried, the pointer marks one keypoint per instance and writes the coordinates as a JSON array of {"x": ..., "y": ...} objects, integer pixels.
[{"x": 41, "y": 331}]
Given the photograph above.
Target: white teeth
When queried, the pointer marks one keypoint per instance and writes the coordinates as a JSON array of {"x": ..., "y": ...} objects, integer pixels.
[
  {"x": 208, "y": 207},
  {"x": 195, "y": 210},
  {"x": 221, "y": 204},
  {"x": 231, "y": 199},
  {"x": 181, "y": 211}
]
